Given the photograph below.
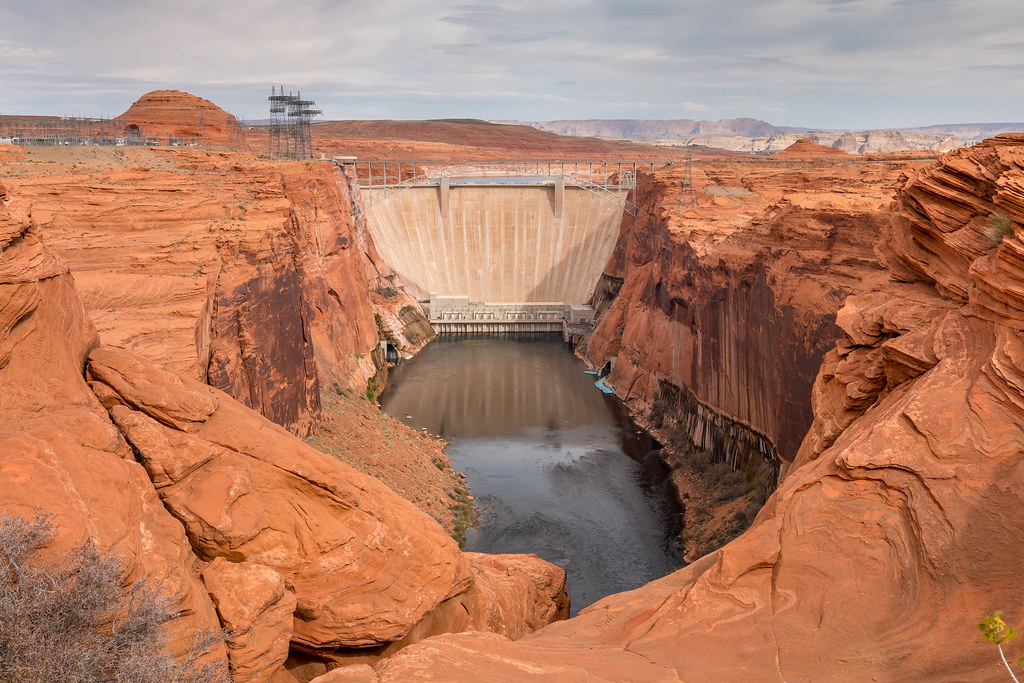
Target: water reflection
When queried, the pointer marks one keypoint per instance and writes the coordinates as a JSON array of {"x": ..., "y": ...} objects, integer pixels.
[{"x": 557, "y": 468}]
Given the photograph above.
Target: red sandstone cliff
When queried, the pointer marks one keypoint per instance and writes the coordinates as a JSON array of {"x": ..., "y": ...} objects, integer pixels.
[
  {"x": 305, "y": 562},
  {"x": 899, "y": 524},
  {"x": 241, "y": 273},
  {"x": 725, "y": 310}
]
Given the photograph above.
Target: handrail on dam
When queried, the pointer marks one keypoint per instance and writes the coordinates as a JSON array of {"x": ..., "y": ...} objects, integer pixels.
[{"x": 379, "y": 180}]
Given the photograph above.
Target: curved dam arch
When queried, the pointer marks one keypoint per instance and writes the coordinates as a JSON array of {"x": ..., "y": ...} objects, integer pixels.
[
  {"x": 495, "y": 240},
  {"x": 498, "y": 244}
]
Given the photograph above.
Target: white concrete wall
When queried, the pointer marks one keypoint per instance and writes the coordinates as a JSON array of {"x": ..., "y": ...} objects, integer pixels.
[{"x": 498, "y": 244}]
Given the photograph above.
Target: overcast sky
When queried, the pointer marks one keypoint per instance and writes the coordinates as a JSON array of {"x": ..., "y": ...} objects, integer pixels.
[{"x": 816, "y": 63}]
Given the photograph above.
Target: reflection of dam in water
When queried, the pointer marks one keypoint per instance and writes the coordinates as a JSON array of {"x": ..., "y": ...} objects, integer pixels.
[
  {"x": 534, "y": 391},
  {"x": 556, "y": 467}
]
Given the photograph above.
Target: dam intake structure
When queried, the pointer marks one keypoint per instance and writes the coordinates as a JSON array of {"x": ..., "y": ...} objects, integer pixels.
[{"x": 497, "y": 246}]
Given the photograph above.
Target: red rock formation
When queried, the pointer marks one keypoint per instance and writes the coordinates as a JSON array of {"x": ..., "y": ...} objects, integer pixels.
[
  {"x": 60, "y": 454},
  {"x": 298, "y": 552},
  {"x": 886, "y": 542},
  {"x": 179, "y": 114},
  {"x": 364, "y": 565},
  {"x": 11, "y": 152},
  {"x": 365, "y": 571},
  {"x": 805, "y": 148},
  {"x": 241, "y": 273},
  {"x": 256, "y": 610},
  {"x": 756, "y": 271}
]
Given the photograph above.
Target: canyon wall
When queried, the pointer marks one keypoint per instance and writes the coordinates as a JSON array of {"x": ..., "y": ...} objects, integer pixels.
[
  {"x": 896, "y": 529},
  {"x": 304, "y": 562},
  {"x": 496, "y": 243},
  {"x": 241, "y": 273},
  {"x": 718, "y": 315}
]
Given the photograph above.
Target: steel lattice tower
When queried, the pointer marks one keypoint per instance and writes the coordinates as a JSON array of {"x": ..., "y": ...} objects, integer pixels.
[
  {"x": 688, "y": 197},
  {"x": 290, "y": 118}
]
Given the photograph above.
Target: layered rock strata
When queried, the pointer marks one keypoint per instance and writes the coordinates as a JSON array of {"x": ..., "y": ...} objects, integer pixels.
[
  {"x": 60, "y": 454},
  {"x": 729, "y": 306},
  {"x": 241, "y": 273},
  {"x": 892, "y": 535},
  {"x": 290, "y": 550}
]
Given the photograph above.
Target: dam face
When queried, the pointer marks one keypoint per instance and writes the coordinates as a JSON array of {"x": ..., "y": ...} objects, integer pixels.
[{"x": 497, "y": 244}]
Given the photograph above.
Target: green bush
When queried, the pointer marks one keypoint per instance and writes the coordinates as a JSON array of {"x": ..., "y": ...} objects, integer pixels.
[{"x": 77, "y": 618}]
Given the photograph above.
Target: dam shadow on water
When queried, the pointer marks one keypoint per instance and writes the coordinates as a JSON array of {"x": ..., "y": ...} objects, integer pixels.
[{"x": 556, "y": 467}]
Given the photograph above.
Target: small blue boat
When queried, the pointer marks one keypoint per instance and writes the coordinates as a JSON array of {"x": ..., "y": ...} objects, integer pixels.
[{"x": 604, "y": 387}]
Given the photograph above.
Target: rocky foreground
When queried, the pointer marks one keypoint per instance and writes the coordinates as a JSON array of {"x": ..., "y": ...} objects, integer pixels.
[
  {"x": 305, "y": 561},
  {"x": 153, "y": 303},
  {"x": 897, "y": 527}
]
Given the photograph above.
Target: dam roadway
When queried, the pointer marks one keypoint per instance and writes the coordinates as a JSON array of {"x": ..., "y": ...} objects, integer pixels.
[{"x": 496, "y": 245}]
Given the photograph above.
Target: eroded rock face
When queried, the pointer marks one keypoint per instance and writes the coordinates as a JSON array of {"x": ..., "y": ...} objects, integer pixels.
[
  {"x": 60, "y": 454},
  {"x": 734, "y": 300},
  {"x": 886, "y": 542},
  {"x": 364, "y": 564},
  {"x": 362, "y": 570},
  {"x": 241, "y": 273},
  {"x": 256, "y": 610},
  {"x": 948, "y": 217}
]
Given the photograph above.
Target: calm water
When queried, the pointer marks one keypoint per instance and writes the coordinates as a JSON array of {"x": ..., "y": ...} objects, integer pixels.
[{"x": 556, "y": 467}]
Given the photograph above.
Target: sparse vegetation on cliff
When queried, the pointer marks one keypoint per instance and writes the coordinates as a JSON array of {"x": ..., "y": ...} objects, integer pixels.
[
  {"x": 719, "y": 502},
  {"x": 466, "y": 514},
  {"x": 1000, "y": 226},
  {"x": 78, "y": 618},
  {"x": 996, "y": 631}
]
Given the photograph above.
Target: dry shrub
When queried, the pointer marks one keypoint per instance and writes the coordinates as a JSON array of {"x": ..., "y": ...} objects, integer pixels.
[{"x": 77, "y": 618}]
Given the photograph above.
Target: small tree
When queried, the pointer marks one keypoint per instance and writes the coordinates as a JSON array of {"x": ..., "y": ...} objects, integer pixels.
[
  {"x": 77, "y": 618},
  {"x": 996, "y": 631}
]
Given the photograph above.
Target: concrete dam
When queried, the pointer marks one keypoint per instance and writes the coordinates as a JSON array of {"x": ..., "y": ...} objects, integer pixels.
[{"x": 494, "y": 247}]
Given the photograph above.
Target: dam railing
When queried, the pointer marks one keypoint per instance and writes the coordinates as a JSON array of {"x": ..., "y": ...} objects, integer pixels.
[{"x": 379, "y": 180}]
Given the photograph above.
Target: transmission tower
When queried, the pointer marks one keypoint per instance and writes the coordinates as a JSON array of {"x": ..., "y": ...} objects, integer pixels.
[
  {"x": 688, "y": 197},
  {"x": 300, "y": 114},
  {"x": 290, "y": 118},
  {"x": 278, "y": 122}
]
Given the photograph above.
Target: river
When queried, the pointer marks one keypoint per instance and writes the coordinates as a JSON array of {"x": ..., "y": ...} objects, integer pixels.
[{"x": 556, "y": 466}]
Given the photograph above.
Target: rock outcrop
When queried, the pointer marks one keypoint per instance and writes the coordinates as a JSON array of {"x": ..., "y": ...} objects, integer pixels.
[
  {"x": 178, "y": 114},
  {"x": 293, "y": 552},
  {"x": 885, "y": 543},
  {"x": 364, "y": 565},
  {"x": 60, "y": 454},
  {"x": 241, "y": 273},
  {"x": 11, "y": 152},
  {"x": 756, "y": 271},
  {"x": 805, "y": 148}
]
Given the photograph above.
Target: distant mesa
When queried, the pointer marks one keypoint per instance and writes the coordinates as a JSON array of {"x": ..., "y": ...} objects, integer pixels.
[
  {"x": 805, "y": 148},
  {"x": 760, "y": 137},
  {"x": 181, "y": 115}
]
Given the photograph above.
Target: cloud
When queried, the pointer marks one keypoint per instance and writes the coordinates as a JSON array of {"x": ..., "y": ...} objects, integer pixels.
[
  {"x": 14, "y": 52},
  {"x": 828, "y": 63}
]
